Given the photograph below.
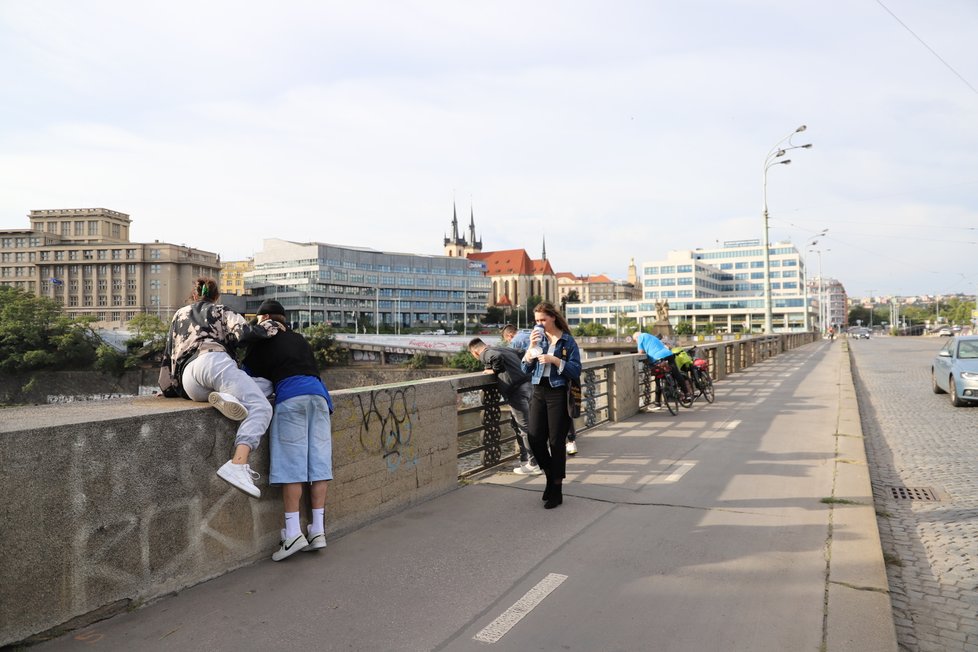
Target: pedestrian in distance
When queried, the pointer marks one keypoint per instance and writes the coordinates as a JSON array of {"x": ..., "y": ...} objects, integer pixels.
[
  {"x": 199, "y": 364},
  {"x": 504, "y": 363},
  {"x": 300, "y": 437},
  {"x": 552, "y": 360}
]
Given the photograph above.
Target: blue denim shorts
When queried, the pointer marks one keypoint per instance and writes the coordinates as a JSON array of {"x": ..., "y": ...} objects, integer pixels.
[{"x": 301, "y": 441}]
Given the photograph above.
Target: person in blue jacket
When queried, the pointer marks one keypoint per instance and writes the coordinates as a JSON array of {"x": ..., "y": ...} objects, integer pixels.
[{"x": 552, "y": 360}]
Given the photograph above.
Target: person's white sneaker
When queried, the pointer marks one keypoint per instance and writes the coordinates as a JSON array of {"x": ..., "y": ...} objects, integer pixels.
[
  {"x": 572, "y": 448},
  {"x": 316, "y": 541},
  {"x": 526, "y": 468},
  {"x": 653, "y": 407},
  {"x": 240, "y": 476},
  {"x": 534, "y": 469},
  {"x": 290, "y": 547},
  {"x": 228, "y": 406}
]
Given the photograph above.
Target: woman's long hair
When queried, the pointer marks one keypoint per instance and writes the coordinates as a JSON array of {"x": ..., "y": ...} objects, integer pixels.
[{"x": 551, "y": 309}]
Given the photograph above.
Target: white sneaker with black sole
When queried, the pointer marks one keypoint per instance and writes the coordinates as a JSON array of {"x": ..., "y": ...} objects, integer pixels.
[
  {"x": 289, "y": 547},
  {"x": 316, "y": 541},
  {"x": 240, "y": 476},
  {"x": 228, "y": 406}
]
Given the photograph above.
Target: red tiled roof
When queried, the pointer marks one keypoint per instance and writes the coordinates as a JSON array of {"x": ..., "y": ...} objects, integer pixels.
[{"x": 510, "y": 261}]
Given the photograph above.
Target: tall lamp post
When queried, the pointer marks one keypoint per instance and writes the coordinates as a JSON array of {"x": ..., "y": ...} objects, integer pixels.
[
  {"x": 774, "y": 158},
  {"x": 823, "y": 312},
  {"x": 807, "y": 320}
]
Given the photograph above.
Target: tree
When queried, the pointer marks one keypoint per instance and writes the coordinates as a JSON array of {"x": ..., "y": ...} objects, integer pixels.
[
  {"x": 592, "y": 329},
  {"x": 35, "y": 333},
  {"x": 572, "y": 297},
  {"x": 465, "y": 361},
  {"x": 149, "y": 336},
  {"x": 495, "y": 315},
  {"x": 684, "y": 328},
  {"x": 324, "y": 347}
]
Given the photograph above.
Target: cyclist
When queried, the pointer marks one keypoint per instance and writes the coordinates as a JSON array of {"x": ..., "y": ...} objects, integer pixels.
[{"x": 656, "y": 351}]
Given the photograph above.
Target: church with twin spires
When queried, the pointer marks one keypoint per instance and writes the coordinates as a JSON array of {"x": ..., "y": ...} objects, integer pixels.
[{"x": 515, "y": 276}]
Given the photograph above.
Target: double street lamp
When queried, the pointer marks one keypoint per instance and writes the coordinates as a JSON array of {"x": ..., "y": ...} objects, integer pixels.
[{"x": 774, "y": 158}]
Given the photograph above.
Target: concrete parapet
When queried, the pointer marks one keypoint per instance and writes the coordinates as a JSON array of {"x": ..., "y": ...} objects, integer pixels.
[{"x": 107, "y": 505}]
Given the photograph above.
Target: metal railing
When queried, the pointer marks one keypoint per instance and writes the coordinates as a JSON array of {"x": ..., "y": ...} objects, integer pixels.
[{"x": 487, "y": 436}]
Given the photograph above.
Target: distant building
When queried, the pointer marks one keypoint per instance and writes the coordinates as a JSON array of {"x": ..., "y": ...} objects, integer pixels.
[
  {"x": 82, "y": 258},
  {"x": 827, "y": 297},
  {"x": 457, "y": 246},
  {"x": 720, "y": 288},
  {"x": 514, "y": 276},
  {"x": 232, "y": 279},
  {"x": 340, "y": 285}
]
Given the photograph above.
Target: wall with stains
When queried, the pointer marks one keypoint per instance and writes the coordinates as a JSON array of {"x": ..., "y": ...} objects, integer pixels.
[{"x": 109, "y": 504}]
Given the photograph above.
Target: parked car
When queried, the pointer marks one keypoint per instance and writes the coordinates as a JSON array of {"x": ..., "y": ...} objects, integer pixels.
[
  {"x": 945, "y": 331},
  {"x": 955, "y": 370}
]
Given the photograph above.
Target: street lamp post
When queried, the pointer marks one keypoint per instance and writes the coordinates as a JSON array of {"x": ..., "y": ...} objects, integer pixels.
[
  {"x": 807, "y": 320},
  {"x": 769, "y": 162}
]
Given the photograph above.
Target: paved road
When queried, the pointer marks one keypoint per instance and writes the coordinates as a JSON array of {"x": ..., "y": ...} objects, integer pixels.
[
  {"x": 915, "y": 438},
  {"x": 722, "y": 528}
]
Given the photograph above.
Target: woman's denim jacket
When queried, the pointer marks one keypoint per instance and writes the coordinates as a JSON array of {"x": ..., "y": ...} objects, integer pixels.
[{"x": 566, "y": 349}]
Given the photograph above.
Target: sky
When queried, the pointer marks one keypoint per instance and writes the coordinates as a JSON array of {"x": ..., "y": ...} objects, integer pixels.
[{"x": 611, "y": 129}]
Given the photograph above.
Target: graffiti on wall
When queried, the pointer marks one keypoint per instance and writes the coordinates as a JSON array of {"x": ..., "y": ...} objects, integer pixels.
[{"x": 385, "y": 419}]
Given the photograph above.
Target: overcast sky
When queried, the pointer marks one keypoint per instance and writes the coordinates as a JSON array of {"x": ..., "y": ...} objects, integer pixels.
[{"x": 613, "y": 129}]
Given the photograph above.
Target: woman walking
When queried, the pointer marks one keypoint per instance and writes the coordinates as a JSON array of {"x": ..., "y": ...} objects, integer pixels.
[{"x": 552, "y": 360}]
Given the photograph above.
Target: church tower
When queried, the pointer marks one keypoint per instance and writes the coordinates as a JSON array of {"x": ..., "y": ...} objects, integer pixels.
[{"x": 458, "y": 246}]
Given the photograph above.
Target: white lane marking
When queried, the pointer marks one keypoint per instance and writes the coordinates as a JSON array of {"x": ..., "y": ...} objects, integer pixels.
[
  {"x": 498, "y": 628},
  {"x": 675, "y": 476}
]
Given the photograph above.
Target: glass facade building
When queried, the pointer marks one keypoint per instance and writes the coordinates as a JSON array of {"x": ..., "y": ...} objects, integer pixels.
[
  {"x": 343, "y": 286},
  {"x": 722, "y": 287}
]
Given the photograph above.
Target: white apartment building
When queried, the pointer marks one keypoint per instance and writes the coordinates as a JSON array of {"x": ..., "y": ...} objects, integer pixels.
[
  {"x": 340, "y": 285},
  {"x": 722, "y": 287}
]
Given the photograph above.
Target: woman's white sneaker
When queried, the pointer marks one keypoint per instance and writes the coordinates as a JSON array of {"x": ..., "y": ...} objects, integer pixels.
[
  {"x": 316, "y": 541},
  {"x": 228, "y": 406},
  {"x": 290, "y": 547},
  {"x": 240, "y": 476}
]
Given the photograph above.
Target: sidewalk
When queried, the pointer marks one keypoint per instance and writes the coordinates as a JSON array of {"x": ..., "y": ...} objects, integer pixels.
[{"x": 705, "y": 531}]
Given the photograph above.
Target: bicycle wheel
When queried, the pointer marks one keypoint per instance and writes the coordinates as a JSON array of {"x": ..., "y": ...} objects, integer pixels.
[
  {"x": 670, "y": 395},
  {"x": 706, "y": 386}
]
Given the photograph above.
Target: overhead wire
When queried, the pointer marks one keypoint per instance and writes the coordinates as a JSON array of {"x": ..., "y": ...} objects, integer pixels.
[{"x": 932, "y": 50}]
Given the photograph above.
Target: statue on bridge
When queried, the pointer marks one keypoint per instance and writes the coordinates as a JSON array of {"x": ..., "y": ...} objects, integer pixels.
[{"x": 662, "y": 311}]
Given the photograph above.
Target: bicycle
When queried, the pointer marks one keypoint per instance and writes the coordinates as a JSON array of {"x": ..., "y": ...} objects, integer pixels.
[
  {"x": 669, "y": 391},
  {"x": 699, "y": 375}
]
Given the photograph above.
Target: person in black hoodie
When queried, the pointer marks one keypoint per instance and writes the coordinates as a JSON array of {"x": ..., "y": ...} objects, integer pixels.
[{"x": 300, "y": 435}]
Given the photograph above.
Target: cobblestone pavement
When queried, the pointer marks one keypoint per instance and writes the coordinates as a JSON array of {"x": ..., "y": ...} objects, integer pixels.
[{"x": 916, "y": 439}]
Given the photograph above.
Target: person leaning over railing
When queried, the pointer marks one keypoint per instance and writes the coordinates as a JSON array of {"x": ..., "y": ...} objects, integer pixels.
[
  {"x": 656, "y": 351},
  {"x": 553, "y": 359},
  {"x": 198, "y": 364}
]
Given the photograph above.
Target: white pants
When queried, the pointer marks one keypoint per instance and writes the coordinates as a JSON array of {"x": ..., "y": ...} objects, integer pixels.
[{"x": 215, "y": 371}]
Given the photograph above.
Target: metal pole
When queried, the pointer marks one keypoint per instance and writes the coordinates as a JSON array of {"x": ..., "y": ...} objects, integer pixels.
[{"x": 377, "y": 310}]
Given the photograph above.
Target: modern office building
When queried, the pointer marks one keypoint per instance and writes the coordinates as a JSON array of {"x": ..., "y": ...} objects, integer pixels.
[
  {"x": 82, "y": 258},
  {"x": 721, "y": 289},
  {"x": 317, "y": 282}
]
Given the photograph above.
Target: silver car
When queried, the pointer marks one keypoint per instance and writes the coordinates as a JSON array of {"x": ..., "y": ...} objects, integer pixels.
[{"x": 955, "y": 370}]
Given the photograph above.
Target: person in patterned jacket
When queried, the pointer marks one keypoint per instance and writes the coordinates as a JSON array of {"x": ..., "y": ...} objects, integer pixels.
[{"x": 199, "y": 364}]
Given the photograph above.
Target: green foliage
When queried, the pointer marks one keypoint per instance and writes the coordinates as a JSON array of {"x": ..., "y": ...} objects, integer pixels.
[
  {"x": 572, "y": 297},
  {"x": 592, "y": 330},
  {"x": 109, "y": 361},
  {"x": 324, "y": 346},
  {"x": 149, "y": 336},
  {"x": 35, "y": 334},
  {"x": 684, "y": 328},
  {"x": 417, "y": 361},
  {"x": 465, "y": 361},
  {"x": 708, "y": 328},
  {"x": 495, "y": 315}
]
